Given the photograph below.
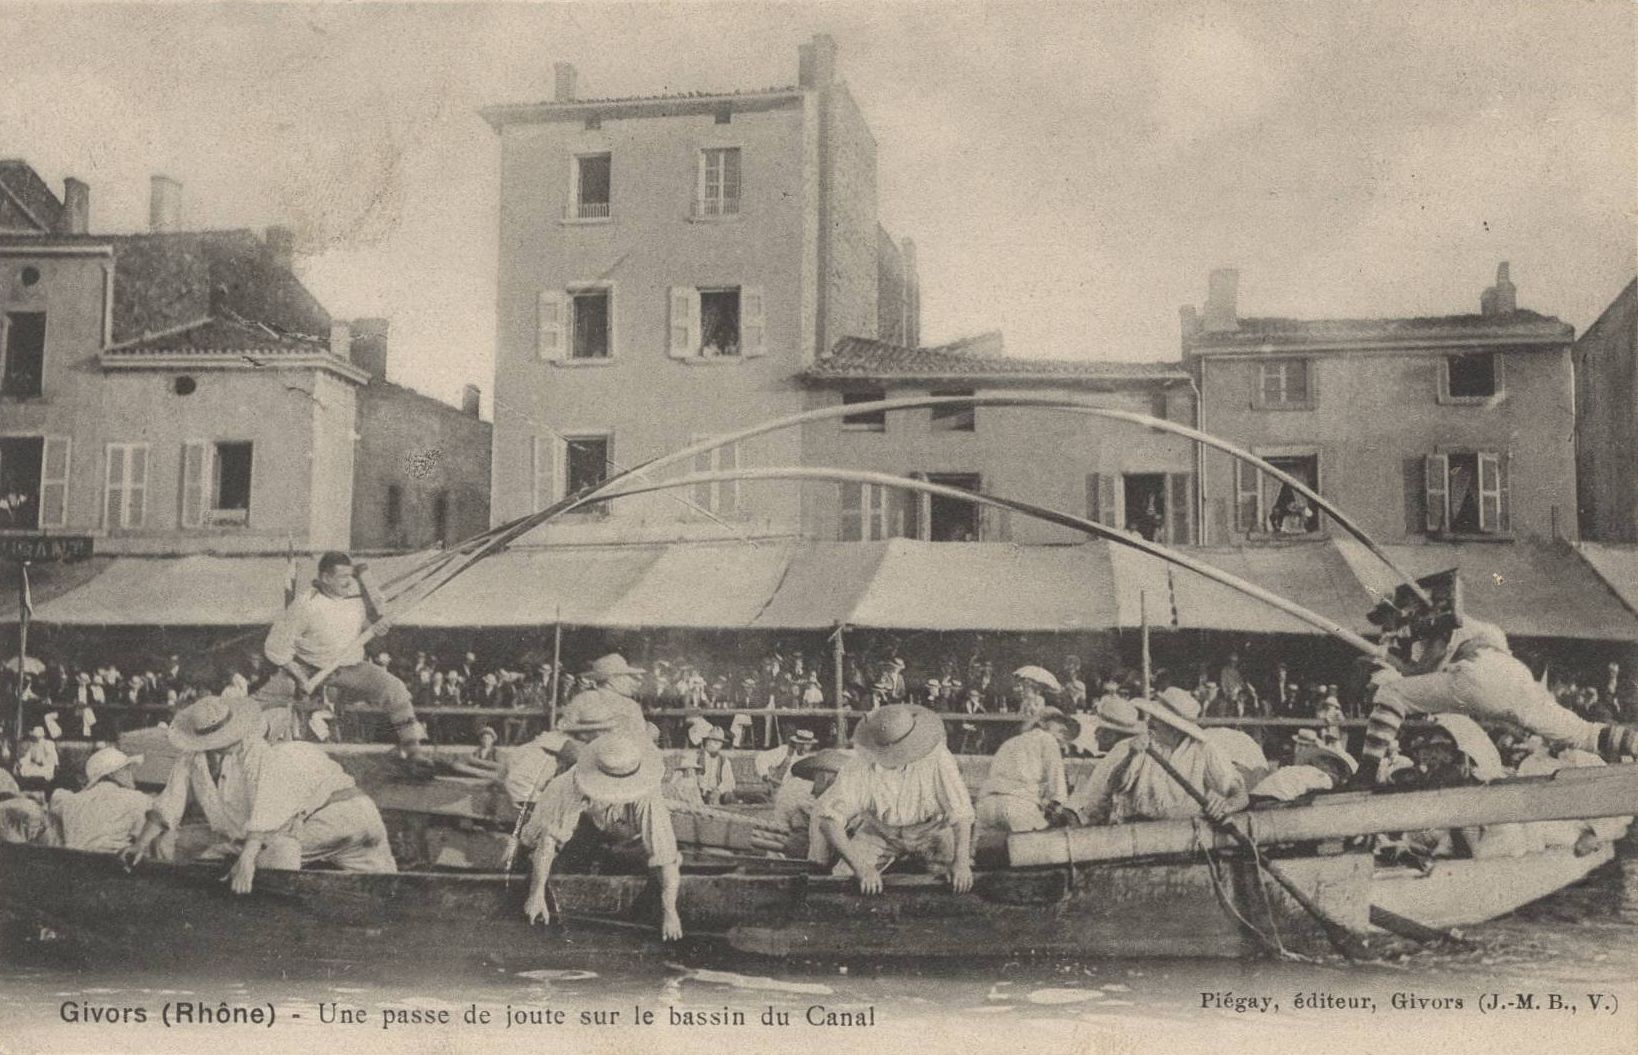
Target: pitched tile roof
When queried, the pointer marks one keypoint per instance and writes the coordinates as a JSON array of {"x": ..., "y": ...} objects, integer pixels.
[
  {"x": 974, "y": 359},
  {"x": 27, "y": 190},
  {"x": 681, "y": 102},
  {"x": 1257, "y": 332},
  {"x": 212, "y": 335}
]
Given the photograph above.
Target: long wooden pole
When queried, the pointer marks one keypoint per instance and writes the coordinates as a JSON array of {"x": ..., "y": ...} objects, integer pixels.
[
  {"x": 838, "y": 669},
  {"x": 22, "y": 639},
  {"x": 1148, "y": 671}
]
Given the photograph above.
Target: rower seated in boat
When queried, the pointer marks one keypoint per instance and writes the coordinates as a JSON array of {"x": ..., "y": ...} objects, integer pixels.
[
  {"x": 1129, "y": 785},
  {"x": 1115, "y": 720},
  {"x": 1316, "y": 766},
  {"x": 284, "y": 806},
  {"x": 903, "y": 796},
  {"x": 614, "y": 681},
  {"x": 810, "y": 777},
  {"x": 773, "y": 764},
  {"x": 22, "y": 820},
  {"x": 108, "y": 813},
  {"x": 1455, "y": 752},
  {"x": 1472, "y": 672},
  {"x": 525, "y": 770},
  {"x": 1026, "y": 786},
  {"x": 1529, "y": 756},
  {"x": 717, "y": 783},
  {"x": 610, "y": 801},
  {"x": 683, "y": 785}
]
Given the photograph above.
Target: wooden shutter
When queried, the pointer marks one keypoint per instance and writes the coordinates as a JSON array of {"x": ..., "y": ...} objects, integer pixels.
[
  {"x": 54, "y": 463},
  {"x": 851, "y": 500},
  {"x": 1490, "y": 492},
  {"x": 551, "y": 326},
  {"x": 136, "y": 481},
  {"x": 113, "y": 486},
  {"x": 1436, "y": 493},
  {"x": 728, "y": 490},
  {"x": 195, "y": 459},
  {"x": 1103, "y": 499},
  {"x": 753, "y": 340},
  {"x": 685, "y": 322},
  {"x": 1248, "y": 498},
  {"x": 547, "y": 458},
  {"x": 1180, "y": 508}
]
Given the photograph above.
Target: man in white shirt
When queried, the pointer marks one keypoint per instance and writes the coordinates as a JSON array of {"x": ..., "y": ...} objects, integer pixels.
[
  {"x": 321, "y": 628},
  {"x": 902, "y": 796},
  {"x": 279, "y": 806},
  {"x": 716, "y": 770},
  {"x": 1026, "y": 778},
  {"x": 109, "y": 813}
]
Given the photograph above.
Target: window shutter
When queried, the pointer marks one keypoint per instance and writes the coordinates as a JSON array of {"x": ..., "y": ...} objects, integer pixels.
[
  {"x": 850, "y": 499},
  {"x": 137, "y": 480},
  {"x": 685, "y": 322},
  {"x": 547, "y": 470},
  {"x": 1490, "y": 492},
  {"x": 195, "y": 456},
  {"x": 1504, "y": 465},
  {"x": 551, "y": 325},
  {"x": 728, "y": 490},
  {"x": 1436, "y": 488},
  {"x": 113, "y": 487},
  {"x": 1248, "y": 498},
  {"x": 1108, "y": 500},
  {"x": 1180, "y": 508},
  {"x": 703, "y": 492},
  {"x": 753, "y": 339},
  {"x": 54, "y": 462}
]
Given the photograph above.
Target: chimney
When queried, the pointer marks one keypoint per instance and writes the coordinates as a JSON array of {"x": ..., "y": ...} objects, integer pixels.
[
  {"x": 471, "y": 400},
  {"x": 912, "y": 296},
  {"x": 340, "y": 337},
  {"x": 1503, "y": 297},
  {"x": 1222, "y": 314},
  {"x": 368, "y": 348},
  {"x": 281, "y": 247},
  {"x": 76, "y": 214},
  {"x": 1189, "y": 320},
  {"x": 567, "y": 78},
  {"x": 816, "y": 62},
  {"x": 165, "y": 205}
]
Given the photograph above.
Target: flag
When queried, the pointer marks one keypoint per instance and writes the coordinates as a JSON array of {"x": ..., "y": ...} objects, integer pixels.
[{"x": 289, "y": 573}]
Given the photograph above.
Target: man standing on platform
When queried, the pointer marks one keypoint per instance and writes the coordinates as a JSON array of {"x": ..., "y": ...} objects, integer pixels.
[{"x": 321, "y": 628}]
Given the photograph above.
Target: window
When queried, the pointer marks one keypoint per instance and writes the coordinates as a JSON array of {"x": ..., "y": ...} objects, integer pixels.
[
  {"x": 592, "y": 179},
  {"x": 1473, "y": 377},
  {"x": 1283, "y": 384},
  {"x": 717, "y": 322},
  {"x": 125, "y": 487},
  {"x": 720, "y": 498},
  {"x": 394, "y": 516},
  {"x": 1157, "y": 506},
  {"x": 867, "y": 420},
  {"x": 951, "y": 519},
  {"x": 954, "y": 417},
  {"x": 590, "y": 324},
  {"x": 719, "y": 182},
  {"x": 586, "y": 461},
  {"x": 1468, "y": 493},
  {"x": 547, "y": 455},
  {"x": 868, "y": 514},
  {"x": 24, "y": 354},
  {"x": 20, "y": 468},
  {"x": 1266, "y": 506},
  {"x": 216, "y": 482},
  {"x": 440, "y": 518}
]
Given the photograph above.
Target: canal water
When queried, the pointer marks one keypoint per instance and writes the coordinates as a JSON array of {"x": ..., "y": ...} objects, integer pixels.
[{"x": 1571, "y": 960}]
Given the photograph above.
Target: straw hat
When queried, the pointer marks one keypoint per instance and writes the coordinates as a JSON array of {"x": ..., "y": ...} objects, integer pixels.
[
  {"x": 1118, "y": 715},
  {"x": 1040, "y": 676},
  {"x": 1473, "y": 742},
  {"x": 803, "y": 736},
  {"x": 714, "y": 733},
  {"x": 1237, "y": 747},
  {"x": 830, "y": 760},
  {"x": 611, "y": 666},
  {"x": 618, "y": 769},
  {"x": 1176, "y": 708},
  {"x": 593, "y": 715},
  {"x": 215, "y": 722},
  {"x": 107, "y": 762},
  {"x": 898, "y": 734}
]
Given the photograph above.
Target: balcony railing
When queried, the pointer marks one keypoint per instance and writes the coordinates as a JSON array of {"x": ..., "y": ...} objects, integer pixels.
[{"x": 592, "y": 210}]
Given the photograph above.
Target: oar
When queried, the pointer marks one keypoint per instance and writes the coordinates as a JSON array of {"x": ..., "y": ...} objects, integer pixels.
[
  {"x": 1405, "y": 927},
  {"x": 1341, "y": 938}
]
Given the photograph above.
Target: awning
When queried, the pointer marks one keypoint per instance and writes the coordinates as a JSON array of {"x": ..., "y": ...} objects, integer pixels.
[
  {"x": 1531, "y": 589},
  {"x": 1314, "y": 575},
  {"x": 1617, "y": 566},
  {"x": 701, "y": 586},
  {"x": 175, "y": 591},
  {"x": 537, "y": 587}
]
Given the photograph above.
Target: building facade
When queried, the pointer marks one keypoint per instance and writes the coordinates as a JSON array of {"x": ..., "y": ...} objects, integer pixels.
[
  {"x": 1112, "y": 472},
  {"x": 1452, "y": 428},
  {"x": 421, "y": 467},
  {"x": 1606, "y": 422},
  {"x": 669, "y": 267}
]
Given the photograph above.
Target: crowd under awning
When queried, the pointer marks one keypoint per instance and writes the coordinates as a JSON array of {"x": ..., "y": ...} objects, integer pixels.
[{"x": 1534, "y": 589}]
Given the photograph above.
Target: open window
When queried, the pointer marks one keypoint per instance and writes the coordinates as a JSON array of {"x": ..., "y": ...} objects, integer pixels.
[
  {"x": 216, "y": 483},
  {"x": 865, "y": 420},
  {"x": 593, "y": 181},
  {"x": 951, "y": 519},
  {"x": 590, "y": 323},
  {"x": 719, "y": 183},
  {"x": 1472, "y": 377},
  {"x": 1468, "y": 493},
  {"x": 1157, "y": 506},
  {"x": 586, "y": 463},
  {"x": 716, "y": 322},
  {"x": 20, "y": 477},
  {"x": 1273, "y": 508},
  {"x": 22, "y": 354},
  {"x": 953, "y": 417}
]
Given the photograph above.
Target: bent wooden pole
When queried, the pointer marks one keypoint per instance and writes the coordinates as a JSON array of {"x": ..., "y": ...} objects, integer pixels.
[
  {"x": 1051, "y": 516},
  {"x": 1569, "y": 794}
]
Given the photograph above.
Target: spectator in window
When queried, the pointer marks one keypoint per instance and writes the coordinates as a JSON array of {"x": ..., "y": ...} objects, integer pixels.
[{"x": 1292, "y": 515}]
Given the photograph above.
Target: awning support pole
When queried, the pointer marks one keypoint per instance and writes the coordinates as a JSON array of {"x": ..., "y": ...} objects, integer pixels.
[
  {"x": 22, "y": 639},
  {"x": 557, "y": 670},
  {"x": 1148, "y": 669},
  {"x": 838, "y": 655}
]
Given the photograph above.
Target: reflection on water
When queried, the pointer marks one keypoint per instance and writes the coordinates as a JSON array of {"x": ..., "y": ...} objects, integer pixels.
[{"x": 1582, "y": 940}]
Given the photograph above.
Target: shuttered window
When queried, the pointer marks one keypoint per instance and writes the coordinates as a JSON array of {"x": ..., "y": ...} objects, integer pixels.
[{"x": 125, "y": 486}]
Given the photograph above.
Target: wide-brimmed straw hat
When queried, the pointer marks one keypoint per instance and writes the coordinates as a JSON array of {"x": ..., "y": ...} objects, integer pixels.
[
  {"x": 1176, "y": 708},
  {"x": 898, "y": 734},
  {"x": 611, "y": 666},
  {"x": 1238, "y": 747},
  {"x": 1475, "y": 743},
  {"x": 803, "y": 736},
  {"x": 107, "y": 762},
  {"x": 618, "y": 769},
  {"x": 714, "y": 733},
  {"x": 592, "y": 715},
  {"x": 1118, "y": 715},
  {"x": 830, "y": 760},
  {"x": 216, "y": 722},
  {"x": 1040, "y": 676}
]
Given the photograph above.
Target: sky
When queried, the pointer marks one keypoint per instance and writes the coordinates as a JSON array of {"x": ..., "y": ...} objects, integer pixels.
[{"x": 1070, "y": 172}]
